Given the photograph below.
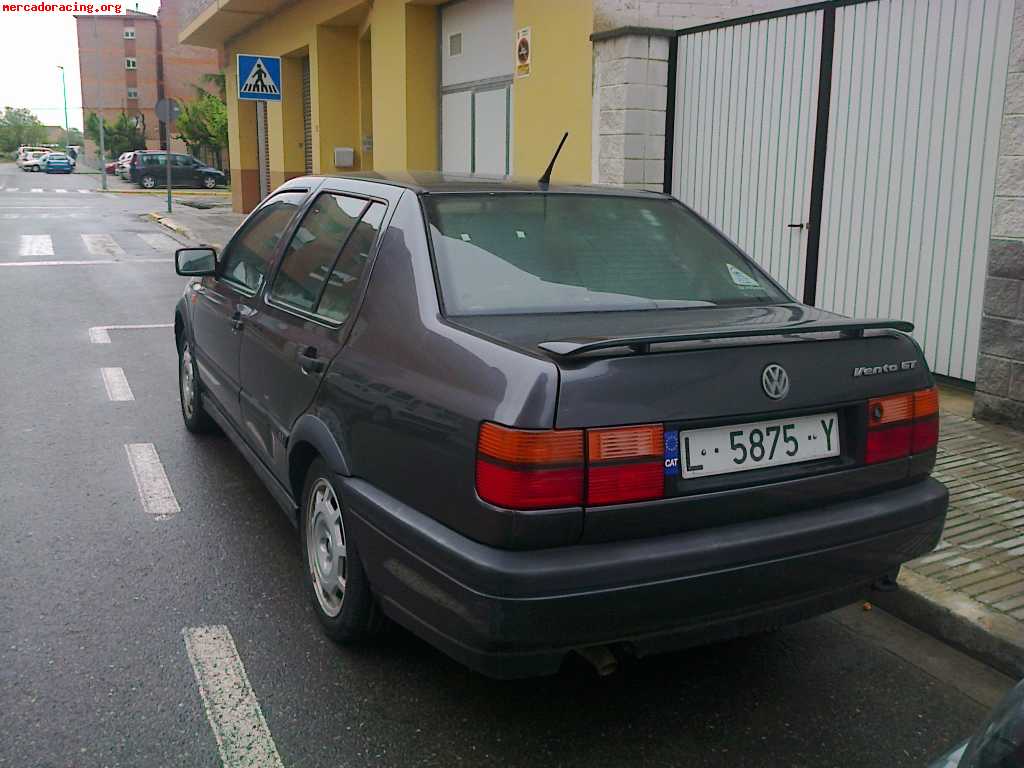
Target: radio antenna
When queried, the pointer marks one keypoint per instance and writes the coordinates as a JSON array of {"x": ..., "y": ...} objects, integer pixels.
[{"x": 546, "y": 178}]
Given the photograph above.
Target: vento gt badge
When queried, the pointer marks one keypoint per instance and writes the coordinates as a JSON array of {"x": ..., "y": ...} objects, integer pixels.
[{"x": 775, "y": 381}]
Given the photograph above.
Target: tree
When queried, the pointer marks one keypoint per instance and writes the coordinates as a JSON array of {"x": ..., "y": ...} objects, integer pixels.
[
  {"x": 73, "y": 138},
  {"x": 120, "y": 136},
  {"x": 19, "y": 126},
  {"x": 203, "y": 125}
]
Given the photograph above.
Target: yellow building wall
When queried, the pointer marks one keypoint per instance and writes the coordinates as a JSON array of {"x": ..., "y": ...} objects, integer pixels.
[
  {"x": 557, "y": 95},
  {"x": 284, "y": 124},
  {"x": 422, "y": 81},
  {"x": 241, "y": 145},
  {"x": 334, "y": 87}
]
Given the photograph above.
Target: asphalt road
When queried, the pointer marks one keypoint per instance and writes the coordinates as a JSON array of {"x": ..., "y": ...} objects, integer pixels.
[{"x": 95, "y": 593}]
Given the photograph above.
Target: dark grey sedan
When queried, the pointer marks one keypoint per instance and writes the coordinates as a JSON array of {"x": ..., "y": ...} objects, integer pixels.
[{"x": 524, "y": 421}]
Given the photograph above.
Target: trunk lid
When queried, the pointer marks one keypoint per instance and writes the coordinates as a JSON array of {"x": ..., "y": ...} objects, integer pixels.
[{"x": 833, "y": 367}]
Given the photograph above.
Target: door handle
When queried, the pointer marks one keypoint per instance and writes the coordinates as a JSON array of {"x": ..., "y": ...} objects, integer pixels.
[
  {"x": 309, "y": 362},
  {"x": 237, "y": 321},
  {"x": 799, "y": 225}
]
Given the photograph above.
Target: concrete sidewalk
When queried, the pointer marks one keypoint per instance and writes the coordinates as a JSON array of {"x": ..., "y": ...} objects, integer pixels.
[
  {"x": 211, "y": 225},
  {"x": 969, "y": 592}
]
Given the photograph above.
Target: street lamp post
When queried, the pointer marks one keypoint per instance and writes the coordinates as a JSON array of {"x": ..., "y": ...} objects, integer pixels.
[{"x": 64, "y": 87}]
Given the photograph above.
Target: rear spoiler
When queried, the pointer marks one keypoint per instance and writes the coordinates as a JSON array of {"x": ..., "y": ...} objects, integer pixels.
[{"x": 849, "y": 328}]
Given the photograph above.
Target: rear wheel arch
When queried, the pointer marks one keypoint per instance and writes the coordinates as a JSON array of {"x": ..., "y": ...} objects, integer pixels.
[
  {"x": 179, "y": 330},
  {"x": 311, "y": 439}
]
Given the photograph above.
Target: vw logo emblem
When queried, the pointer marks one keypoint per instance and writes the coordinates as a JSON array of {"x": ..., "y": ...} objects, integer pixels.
[{"x": 775, "y": 381}]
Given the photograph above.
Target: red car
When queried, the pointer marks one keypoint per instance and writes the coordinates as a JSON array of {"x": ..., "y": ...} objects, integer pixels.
[{"x": 111, "y": 167}]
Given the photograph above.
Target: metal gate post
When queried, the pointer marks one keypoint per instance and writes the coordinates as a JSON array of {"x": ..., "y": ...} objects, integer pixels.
[
  {"x": 828, "y": 39},
  {"x": 670, "y": 113}
]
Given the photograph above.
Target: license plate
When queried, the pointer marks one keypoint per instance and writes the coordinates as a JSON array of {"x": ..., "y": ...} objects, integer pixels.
[{"x": 756, "y": 445}]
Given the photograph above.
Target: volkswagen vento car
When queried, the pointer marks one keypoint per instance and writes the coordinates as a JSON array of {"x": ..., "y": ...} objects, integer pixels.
[{"x": 524, "y": 420}]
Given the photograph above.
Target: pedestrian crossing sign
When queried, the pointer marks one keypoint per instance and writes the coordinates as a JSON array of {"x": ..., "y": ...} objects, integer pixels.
[{"x": 259, "y": 77}]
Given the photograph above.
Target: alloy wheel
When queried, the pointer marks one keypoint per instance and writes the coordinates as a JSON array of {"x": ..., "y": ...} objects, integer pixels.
[
  {"x": 209, "y": 182},
  {"x": 326, "y": 550}
]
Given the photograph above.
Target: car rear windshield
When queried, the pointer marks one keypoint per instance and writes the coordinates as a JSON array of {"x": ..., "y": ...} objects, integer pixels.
[{"x": 512, "y": 253}]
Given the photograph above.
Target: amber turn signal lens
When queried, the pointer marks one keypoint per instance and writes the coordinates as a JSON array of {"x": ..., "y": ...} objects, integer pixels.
[
  {"x": 926, "y": 402},
  {"x": 528, "y": 446},
  {"x": 890, "y": 410},
  {"x": 618, "y": 443}
]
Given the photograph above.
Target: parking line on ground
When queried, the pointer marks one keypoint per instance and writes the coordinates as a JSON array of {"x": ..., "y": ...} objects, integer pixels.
[
  {"x": 151, "y": 481},
  {"x": 99, "y": 334},
  {"x": 61, "y": 191},
  {"x": 11, "y": 189},
  {"x": 35, "y": 245},
  {"x": 37, "y": 190},
  {"x": 102, "y": 245},
  {"x": 238, "y": 725},
  {"x": 116, "y": 384},
  {"x": 85, "y": 191}
]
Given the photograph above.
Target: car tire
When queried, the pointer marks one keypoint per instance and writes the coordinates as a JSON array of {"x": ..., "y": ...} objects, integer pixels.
[
  {"x": 332, "y": 569},
  {"x": 35, "y": 169},
  {"x": 190, "y": 393},
  {"x": 209, "y": 182},
  {"x": 147, "y": 182}
]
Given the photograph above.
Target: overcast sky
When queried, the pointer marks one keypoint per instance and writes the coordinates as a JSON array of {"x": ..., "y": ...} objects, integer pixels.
[{"x": 32, "y": 45}]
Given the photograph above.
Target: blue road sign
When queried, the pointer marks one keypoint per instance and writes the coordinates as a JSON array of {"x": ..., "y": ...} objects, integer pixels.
[{"x": 259, "y": 77}]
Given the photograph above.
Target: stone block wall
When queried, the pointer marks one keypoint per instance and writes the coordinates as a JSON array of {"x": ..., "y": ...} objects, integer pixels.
[
  {"x": 631, "y": 91},
  {"x": 999, "y": 394}
]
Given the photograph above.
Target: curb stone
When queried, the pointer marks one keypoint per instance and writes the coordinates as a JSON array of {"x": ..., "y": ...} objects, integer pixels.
[
  {"x": 174, "y": 226},
  {"x": 957, "y": 620}
]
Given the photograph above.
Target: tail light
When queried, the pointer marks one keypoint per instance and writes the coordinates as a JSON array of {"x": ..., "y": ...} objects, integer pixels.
[
  {"x": 529, "y": 469},
  {"x": 625, "y": 464},
  {"x": 899, "y": 425},
  {"x": 535, "y": 469}
]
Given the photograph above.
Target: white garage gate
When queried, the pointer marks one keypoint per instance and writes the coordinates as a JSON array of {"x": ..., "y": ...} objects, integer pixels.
[
  {"x": 850, "y": 148},
  {"x": 476, "y": 87}
]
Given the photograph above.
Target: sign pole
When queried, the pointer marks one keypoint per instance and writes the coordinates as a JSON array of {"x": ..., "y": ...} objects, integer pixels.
[{"x": 168, "y": 169}]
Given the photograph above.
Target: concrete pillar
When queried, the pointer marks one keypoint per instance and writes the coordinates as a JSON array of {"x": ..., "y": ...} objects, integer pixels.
[
  {"x": 284, "y": 120},
  {"x": 245, "y": 178},
  {"x": 631, "y": 91},
  {"x": 999, "y": 394}
]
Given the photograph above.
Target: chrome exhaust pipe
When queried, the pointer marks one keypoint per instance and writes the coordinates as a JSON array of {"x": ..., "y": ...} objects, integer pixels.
[{"x": 601, "y": 658}]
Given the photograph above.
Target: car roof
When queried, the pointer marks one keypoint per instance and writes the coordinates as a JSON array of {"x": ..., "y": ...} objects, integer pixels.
[{"x": 433, "y": 182}]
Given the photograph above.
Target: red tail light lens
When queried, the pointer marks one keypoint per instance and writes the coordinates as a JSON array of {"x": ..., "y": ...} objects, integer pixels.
[
  {"x": 900, "y": 425},
  {"x": 529, "y": 469},
  {"x": 888, "y": 444},
  {"x": 618, "y": 483}
]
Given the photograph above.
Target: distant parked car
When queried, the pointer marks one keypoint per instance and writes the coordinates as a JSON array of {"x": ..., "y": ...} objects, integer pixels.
[
  {"x": 124, "y": 165},
  {"x": 58, "y": 162},
  {"x": 27, "y": 154},
  {"x": 34, "y": 162},
  {"x": 149, "y": 170}
]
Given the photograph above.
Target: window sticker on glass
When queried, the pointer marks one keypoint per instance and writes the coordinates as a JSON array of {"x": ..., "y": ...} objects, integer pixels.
[
  {"x": 520, "y": 234},
  {"x": 465, "y": 237},
  {"x": 741, "y": 278}
]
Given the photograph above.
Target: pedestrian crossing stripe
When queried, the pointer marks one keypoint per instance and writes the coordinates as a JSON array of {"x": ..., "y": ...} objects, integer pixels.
[{"x": 259, "y": 77}]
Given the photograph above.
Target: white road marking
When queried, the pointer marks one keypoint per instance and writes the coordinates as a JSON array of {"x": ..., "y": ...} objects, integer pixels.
[
  {"x": 37, "y": 216},
  {"x": 159, "y": 241},
  {"x": 62, "y": 191},
  {"x": 154, "y": 488},
  {"x": 99, "y": 334},
  {"x": 116, "y": 384},
  {"x": 81, "y": 262},
  {"x": 102, "y": 245},
  {"x": 35, "y": 245},
  {"x": 243, "y": 738},
  {"x": 12, "y": 189},
  {"x": 37, "y": 190},
  {"x": 85, "y": 191}
]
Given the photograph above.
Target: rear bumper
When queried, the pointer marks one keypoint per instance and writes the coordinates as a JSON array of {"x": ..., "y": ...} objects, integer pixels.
[{"x": 517, "y": 614}]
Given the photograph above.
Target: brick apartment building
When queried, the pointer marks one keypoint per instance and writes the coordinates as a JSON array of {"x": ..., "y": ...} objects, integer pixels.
[{"x": 130, "y": 61}]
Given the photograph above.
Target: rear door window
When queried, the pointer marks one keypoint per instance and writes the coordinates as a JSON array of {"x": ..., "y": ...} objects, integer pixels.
[
  {"x": 327, "y": 255},
  {"x": 251, "y": 252}
]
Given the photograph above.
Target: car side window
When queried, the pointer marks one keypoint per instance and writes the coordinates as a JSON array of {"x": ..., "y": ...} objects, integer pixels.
[
  {"x": 183, "y": 161},
  {"x": 249, "y": 256},
  {"x": 340, "y": 292},
  {"x": 314, "y": 249}
]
